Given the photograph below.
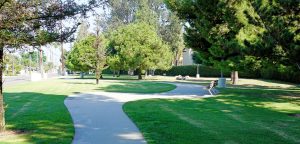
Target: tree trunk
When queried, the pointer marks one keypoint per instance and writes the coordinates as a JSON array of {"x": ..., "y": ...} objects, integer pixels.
[
  {"x": 41, "y": 62},
  {"x": 62, "y": 59},
  {"x": 97, "y": 81},
  {"x": 97, "y": 76},
  {"x": 176, "y": 58},
  {"x": 114, "y": 73},
  {"x": 231, "y": 75},
  {"x": 30, "y": 59},
  {"x": 298, "y": 65},
  {"x": 81, "y": 75},
  {"x": 13, "y": 67},
  {"x": 222, "y": 68},
  {"x": 2, "y": 112},
  {"x": 221, "y": 73},
  {"x": 118, "y": 73},
  {"x": 235, "y": 78},
  {"x": 140, "y": 74}
]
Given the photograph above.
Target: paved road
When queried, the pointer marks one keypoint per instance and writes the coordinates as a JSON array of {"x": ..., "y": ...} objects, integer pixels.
[
  {"x": 98, "y": 117},
  {"x": 11, "y": 80}
]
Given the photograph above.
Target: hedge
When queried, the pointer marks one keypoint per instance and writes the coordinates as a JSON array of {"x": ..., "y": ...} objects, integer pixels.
[
  {"x": 270, "y": 72},
  {"x": 191, "y": 70},
  {"x": 287, "y": 74}
]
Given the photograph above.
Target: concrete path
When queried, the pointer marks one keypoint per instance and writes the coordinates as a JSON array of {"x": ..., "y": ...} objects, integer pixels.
[{"x": 99, "y": 119}]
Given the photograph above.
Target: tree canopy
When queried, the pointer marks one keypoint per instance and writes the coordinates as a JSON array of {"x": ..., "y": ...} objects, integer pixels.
[
  {"x": 244, "y": 34},
  {"x": 138, "y": 47},
  {"x": 88, "y": 54}
]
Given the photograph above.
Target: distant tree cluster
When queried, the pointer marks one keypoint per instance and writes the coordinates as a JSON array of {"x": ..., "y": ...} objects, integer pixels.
[{"x": 142, "y": 35}]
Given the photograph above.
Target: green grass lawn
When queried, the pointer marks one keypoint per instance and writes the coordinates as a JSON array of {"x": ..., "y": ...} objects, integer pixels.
[
  {"x": 36, "y": 110},
  {"x": 137, "y": 87},
  {"x": 255, "y": 112}
]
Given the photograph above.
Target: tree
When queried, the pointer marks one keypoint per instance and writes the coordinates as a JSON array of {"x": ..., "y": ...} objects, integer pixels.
[
  {"x": 49, "y": 66},
  {"x": 115, "y": 64},
  {"x": 172, "y": 33},
  {"x": 12, "y": 64},
  {"x": 279, "y": 43},
  {"x": 139, "y": 47},
  {"x": 25, "y": 58},
  {"x": 237, "y": 32},
  {"x": 83, "y": 31},
  {"x": 213, "y": 29},
  {"x": 89, "y": 54},
  {"x": 20, "y": 20}
]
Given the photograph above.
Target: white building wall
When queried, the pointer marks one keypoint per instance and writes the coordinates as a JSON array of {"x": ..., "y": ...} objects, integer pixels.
[{"x": 187, "y": 57}]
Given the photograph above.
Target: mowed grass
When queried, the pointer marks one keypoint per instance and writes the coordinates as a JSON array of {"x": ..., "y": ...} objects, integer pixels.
[
  {"x": 137, "y": 87},
  {"x": 36, "y": 110},
  {"x": 255, "y": 112}
]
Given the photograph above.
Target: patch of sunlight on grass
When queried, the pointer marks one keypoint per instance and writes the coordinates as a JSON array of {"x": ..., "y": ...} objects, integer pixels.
[
  {"x": 265, "y": 83},
  {"x": 13, "y": 139},
  {"x": 281, "y": 107}
]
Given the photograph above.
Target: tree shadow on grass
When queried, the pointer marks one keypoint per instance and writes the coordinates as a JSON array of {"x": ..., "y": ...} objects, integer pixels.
[{"x": 42, "y": 117}]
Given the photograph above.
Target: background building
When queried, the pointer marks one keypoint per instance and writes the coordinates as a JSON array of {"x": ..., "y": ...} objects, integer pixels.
[{"x": 187, "y": 57}]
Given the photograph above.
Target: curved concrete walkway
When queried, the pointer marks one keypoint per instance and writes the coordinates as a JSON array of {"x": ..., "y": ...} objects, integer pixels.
[{"x": 98, "y": 117}]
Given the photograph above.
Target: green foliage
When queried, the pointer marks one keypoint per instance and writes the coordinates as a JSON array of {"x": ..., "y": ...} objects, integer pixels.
[
  {"x": 172, "y": 33},
  {"x": 154, "y": 13},
  {"x": 83, "y": 56},
  {"x": 48, "y": 66},
  {"x": 280, "y": 72},
  {"x": 191, "y": 70},
  {"x": 271, "y": 72},
  {"x": 233, "y": 31},
  {"x": 137, "y": 46},
  {"x": 212, "y": 30},
  {"x": 12, "y": 64},
  {"x": 25, "y": 58}
]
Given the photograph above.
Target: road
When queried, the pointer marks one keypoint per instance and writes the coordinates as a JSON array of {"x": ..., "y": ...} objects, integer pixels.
[{"x": 11, "y": 80}]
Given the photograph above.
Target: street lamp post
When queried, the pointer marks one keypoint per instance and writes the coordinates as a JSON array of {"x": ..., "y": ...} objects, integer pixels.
[
  {"x": 30, "y": 59},
  {"x": 198, "y": 75},
  {"x": 41, "y": 61},
  {"x": 13, "y": 60}
]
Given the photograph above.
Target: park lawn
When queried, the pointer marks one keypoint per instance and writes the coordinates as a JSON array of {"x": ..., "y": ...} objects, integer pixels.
[
  {"x": 255, "y": 112},
  {"x": 138, "y": 87},
  {"x": 36, "y": 110}
]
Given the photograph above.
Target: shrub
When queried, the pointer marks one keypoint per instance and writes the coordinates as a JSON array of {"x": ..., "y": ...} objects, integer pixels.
[
  {"x": 191, "y": 70},
  {"x": 107, "y": 71},
  {"x": 267, "y": 71}
]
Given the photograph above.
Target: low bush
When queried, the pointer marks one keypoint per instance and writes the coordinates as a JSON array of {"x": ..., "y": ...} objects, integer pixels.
[
  {"x": 191, "y": 70},
  {"x": 283, "y": 73}
]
